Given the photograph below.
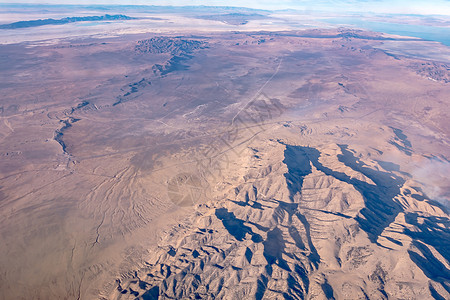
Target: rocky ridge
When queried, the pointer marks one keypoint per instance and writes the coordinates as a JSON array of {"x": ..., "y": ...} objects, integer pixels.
[{"x": 305, "y": 223}]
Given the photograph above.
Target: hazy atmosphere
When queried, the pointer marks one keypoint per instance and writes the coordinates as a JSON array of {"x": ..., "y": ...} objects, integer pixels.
[{"x": 439, "y": 7}]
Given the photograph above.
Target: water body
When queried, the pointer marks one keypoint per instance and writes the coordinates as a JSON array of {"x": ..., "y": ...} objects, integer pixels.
[{"x": 431, "y": 33}]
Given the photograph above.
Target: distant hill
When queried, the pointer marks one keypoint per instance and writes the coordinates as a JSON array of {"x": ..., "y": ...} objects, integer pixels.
[
  {"x": 41, "y": 22},
  {"x": 233, "y": 18}
]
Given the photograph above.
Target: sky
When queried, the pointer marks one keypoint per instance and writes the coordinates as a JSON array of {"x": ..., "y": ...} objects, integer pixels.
[{"x": 441, "y": 7}]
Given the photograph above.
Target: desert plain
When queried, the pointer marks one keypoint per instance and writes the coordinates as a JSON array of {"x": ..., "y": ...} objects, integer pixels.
[{"x": 205, "y": 157}]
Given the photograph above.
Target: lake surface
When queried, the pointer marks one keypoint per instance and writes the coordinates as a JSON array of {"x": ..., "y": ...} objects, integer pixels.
[{"x": 431, "y": 33}]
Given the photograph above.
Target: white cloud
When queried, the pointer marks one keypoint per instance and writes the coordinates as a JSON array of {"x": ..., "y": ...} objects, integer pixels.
[{"x": 433, "y": 175}]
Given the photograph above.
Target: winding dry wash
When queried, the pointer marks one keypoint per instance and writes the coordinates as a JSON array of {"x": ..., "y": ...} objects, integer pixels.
[{"x": 221, "y": 153}]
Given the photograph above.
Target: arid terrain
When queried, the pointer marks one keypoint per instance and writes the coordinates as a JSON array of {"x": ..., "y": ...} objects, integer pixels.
[{"x": 223, "y": 163}]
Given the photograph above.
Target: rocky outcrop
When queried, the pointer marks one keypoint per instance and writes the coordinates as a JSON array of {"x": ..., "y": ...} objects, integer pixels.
[
  {"x": 433, "y": 71},
  {"x": 174, "y": 46},
  {"x": 304, "y": 225},
  {"x": 132, "y": 89}
]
